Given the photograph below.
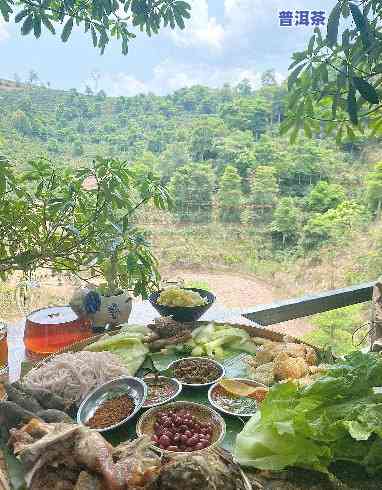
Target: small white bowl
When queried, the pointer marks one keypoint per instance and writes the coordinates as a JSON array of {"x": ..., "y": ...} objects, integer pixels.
[{"x": 198, "y": 385}]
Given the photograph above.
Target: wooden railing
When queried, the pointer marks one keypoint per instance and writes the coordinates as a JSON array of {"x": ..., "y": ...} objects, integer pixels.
[{"x": 310, "y": 305}]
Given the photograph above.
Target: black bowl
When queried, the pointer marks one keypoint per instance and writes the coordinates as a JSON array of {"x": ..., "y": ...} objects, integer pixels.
[{"x": 183, "y": 313}]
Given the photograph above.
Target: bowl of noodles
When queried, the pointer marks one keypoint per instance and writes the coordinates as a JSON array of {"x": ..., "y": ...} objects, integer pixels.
[{"x": 182, "y": 304}]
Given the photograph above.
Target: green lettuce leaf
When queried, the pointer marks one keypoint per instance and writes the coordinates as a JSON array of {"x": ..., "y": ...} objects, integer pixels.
[{"x": 336, "y": 418}]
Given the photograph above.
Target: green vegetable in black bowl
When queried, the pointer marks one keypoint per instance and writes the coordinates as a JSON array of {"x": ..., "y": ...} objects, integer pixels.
[{"x": 179, "y": 306}]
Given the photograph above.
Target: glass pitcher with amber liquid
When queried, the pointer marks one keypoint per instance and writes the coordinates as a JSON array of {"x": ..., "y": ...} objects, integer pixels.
[{"x": 3, "y": 346}]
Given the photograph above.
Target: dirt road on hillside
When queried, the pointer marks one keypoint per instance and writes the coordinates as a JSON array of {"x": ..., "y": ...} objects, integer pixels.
[{"x": 241, "y": 291}]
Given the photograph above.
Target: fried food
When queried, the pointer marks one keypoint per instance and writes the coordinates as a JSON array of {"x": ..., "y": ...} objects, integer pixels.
[
  {"x": 278, "y": 361},
  {"x": 262, "y": 374},
  {"x": 287, "y": 367}
]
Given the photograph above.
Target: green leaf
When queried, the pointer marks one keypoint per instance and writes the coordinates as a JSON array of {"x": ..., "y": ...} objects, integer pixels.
[
  {"x": 94, "y": 37},
  {"x": 27, "y": 25},
  {"x": 294, "y": 134},
  {"x": 292, "y": 78},
  {"x": 285, "y": 126},
  {"x": 311, "y": 45},
  {"x": 307, "y": 130},
  {"x": 324, "y": 73},
  {"x": 47, "y": 23},
  {"x": 361, "y": 24},
  {"x": 37, "y": 27},
  {"x": 20, "y": 15},
  {"x": 376, "y": 127},
  {"x": 5, "y": 9},
  {"x": 67, "y": 30},
  {"x": 350, "y": 132},
  {"x": 352, "y": 105},
  {"x": 333, "y": 23},
  {"x": 367, "y": 91}
]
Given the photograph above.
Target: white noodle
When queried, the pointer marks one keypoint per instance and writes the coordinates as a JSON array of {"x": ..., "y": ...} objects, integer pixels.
[{"x": 72, "y": 376}]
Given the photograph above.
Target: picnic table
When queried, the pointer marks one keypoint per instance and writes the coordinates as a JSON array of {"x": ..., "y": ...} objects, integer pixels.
[{"x": 294, "y": 479}]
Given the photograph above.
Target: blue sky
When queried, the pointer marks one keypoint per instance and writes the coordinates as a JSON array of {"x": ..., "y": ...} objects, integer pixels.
[{"x": 225, "y": 41}]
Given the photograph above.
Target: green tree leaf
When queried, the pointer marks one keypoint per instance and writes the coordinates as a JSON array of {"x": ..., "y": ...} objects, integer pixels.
[
  {"x": 352, "y": 105},
  {"x": 20, "y": 15},
  {"x": 67, "y": 30},
  {"x": 361, "y": 24},
  {"x": 367, "y": 91},
  {"x": 333, "y": 23},
  {"x": 37, "y": 27},
  {"x": 292, "y": 78},
  {"x": 27, "y": 25}
]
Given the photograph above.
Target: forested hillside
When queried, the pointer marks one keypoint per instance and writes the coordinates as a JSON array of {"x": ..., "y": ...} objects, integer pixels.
[
  {"x": 219, "y": 151},
  {"x": 303, "y": 217}
]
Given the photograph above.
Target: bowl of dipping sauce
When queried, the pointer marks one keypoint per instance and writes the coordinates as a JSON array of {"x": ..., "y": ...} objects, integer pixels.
[
  {"x": 112, "y": 404},
  {"x": 160, "y": 390},
  {"x": 231, "y": 404},
  {"x": 196, "y": 371}
]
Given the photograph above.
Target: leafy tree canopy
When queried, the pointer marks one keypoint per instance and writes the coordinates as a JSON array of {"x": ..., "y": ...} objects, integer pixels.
[
  {"x": 101, "y": 19},
  {"x": 337, "y": 78},
  {"x": 325, "y": 196}
]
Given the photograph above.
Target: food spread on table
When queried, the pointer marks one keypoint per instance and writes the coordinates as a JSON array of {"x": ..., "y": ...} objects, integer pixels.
[{"x": 297, "y": 411}]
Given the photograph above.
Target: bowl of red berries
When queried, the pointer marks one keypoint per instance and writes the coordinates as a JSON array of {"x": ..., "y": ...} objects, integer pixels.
[{"x": 182, "y": 427}]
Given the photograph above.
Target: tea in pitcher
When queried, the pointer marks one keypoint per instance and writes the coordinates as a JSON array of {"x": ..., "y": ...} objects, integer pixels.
[
  {"x": 3, "y": 345},
  {"x": 50, "y": 329}
]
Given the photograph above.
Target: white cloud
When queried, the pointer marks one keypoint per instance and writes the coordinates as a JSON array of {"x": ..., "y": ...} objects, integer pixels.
[
  {"x": 200, "y": 30},
  {"x": 242, "y": 44},
  {"x": 122, "y": 84},
  {"x": 4, "y": 34},
  {"x": 169, "y": 76}
]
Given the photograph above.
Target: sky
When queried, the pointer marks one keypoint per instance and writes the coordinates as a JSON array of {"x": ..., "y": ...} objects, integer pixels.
[{"x": 225, "y": 41}]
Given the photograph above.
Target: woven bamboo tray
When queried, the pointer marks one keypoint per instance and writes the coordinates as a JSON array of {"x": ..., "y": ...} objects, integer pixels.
[{"x": 253, "y": 331}]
